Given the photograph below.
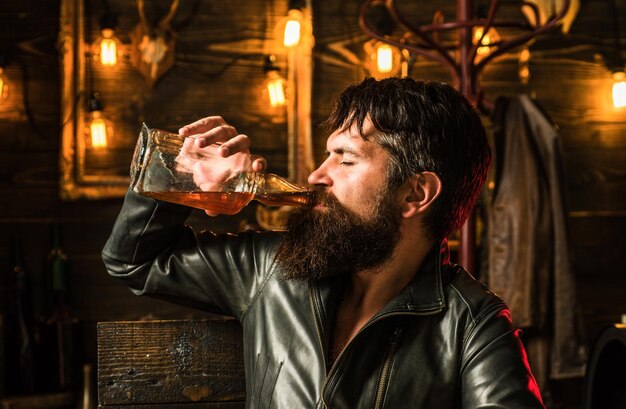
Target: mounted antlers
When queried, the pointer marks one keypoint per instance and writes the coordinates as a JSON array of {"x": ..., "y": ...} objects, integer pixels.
[{"x": 153, "y": 46}]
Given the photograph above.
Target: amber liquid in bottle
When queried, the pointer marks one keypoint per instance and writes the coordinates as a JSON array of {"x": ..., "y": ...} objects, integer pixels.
[{"x": 230, "y": 202}]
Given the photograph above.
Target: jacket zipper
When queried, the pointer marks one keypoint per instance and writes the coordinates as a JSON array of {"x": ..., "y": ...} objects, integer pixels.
[
  {"x": 367, "y": 325},
  {"x": 318, "y": 329},
  {"x": 386, "y": 371}
]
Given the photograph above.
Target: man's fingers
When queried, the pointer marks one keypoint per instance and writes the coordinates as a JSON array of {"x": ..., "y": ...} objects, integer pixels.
[
  {"x": 239, "y": 143},
  {"x": 202, "y": 125},
  {"x": 259, "y": 164},
  {"x": 219, "y": 134}
]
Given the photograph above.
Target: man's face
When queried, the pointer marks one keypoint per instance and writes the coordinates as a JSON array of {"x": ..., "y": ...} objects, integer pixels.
[
  {"x": 355, "y": 170},
  {"x": 354, "y": 224}
]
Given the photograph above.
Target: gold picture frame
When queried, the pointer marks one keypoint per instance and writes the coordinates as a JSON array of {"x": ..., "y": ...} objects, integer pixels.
[{"x": 76, "y": 182}]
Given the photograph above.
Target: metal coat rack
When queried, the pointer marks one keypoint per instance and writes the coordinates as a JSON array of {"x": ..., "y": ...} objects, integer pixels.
[{"x": 460, "y": 58}]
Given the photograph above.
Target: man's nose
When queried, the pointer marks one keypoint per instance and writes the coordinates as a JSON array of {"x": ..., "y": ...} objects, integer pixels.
[{"x": 319, "y": 177}]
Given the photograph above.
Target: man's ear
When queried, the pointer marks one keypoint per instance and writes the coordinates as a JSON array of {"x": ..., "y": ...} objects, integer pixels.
[{"x": 421, "y": 192}]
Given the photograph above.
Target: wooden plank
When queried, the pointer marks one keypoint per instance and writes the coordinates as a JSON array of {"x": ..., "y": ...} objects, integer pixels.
[
  {"x": 601, "y": 303},
  {"x": 159, "y": 362},
  {"x": 597, "y": 245},
  {"x": 596, "y": 179},
  {"x": 51, "y": 401},
  {"x": 201, "y": 405}
]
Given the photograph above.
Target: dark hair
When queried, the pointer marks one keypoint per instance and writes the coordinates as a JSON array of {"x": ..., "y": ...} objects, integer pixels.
[{"x": 425, "y": 126}]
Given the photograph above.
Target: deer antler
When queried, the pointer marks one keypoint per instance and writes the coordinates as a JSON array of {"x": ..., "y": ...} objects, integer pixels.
[
  {"x": 165, "y": 21},
  {"x": 155, "y": 44},
  {"x": 142, "y": 14}
]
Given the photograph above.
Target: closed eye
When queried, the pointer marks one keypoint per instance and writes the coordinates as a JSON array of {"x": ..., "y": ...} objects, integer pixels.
[{"x": 346, "y": 163}]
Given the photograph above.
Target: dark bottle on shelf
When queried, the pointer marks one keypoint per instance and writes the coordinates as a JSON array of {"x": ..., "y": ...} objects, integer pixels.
[
  {"x": 59, "y": 326},
  {"x": 19, "y": 332}
]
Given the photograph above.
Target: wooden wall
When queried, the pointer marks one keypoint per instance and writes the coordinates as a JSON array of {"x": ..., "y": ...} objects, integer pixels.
[{"x": 568, "y": 79}]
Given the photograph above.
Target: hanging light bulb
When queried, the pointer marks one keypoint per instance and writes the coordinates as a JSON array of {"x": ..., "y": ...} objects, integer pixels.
[
  {"x": 291, "y": 36},
  {"x": 106, "y": 47},
  {"x": 383, "y": 60},
  {"x": 274, "y": 83},
  {"x": 294, "y": 28},
  {"x": 98, "y": 126},
  {"x": 619, "y": 89},
  {"x": 488, "y": 40}
]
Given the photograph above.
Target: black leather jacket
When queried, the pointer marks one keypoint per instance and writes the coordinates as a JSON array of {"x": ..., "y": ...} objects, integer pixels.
[{"x": 444, "y": 342}]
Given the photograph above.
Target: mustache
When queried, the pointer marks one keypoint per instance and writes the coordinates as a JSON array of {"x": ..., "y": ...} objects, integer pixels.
[{"x": 321, "y": 196}]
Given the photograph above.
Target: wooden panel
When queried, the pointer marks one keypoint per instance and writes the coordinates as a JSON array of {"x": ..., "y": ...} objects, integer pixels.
[
  {"x": 48, "y": 401},
  {"x": 598, "y": 247},
  {"x": 601, "y": 302},
  {"x": 204, "y": 405},
  {"x": 200, "y": 405},
  {"x": 159, "y": 362},
  {"x": 596, "y": 179},
  {"x": 216, "y": 72}
]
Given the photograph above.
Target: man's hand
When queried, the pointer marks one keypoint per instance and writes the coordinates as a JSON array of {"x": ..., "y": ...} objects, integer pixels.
[
  {"x": 213, "y": 129},
  {"x": 214, "y": 153}
]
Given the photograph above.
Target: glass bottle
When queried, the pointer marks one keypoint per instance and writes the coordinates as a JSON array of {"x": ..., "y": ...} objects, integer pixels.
[
  {"x": 20, "y": 363},
  {"x": 170, "y": 167},
  {"x": 59, "y": 329}
]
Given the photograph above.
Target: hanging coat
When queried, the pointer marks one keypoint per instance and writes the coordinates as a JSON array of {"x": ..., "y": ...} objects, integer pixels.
[{"x": 528, "y": 256}]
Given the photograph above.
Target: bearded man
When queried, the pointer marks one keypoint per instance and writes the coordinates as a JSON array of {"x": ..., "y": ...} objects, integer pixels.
[{"x": 356, "y": 305}]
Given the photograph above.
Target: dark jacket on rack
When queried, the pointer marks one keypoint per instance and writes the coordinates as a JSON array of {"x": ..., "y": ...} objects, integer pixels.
[
  {"x": 444, "y": 342},
  {"x": 529, "y": 261}
]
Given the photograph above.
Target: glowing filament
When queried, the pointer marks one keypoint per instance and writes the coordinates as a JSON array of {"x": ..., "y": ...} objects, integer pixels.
[
  {"x": 108, "y": 52},
  {"x": 275, "y": 89},
  {"x": 98, "y": 131},
  {"x": 490, "y": 37},
  {"x": 292, "y": 33},
  {"x": 108, "y": 48},
  {"x": 384, "y": 58},
  {"x": 619, "y": 89}
]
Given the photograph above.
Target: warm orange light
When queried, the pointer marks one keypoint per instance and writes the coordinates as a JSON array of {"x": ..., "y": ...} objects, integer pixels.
[
  {"x": 291, "y": 38},
  {"x": 384, "y": 59},
  {"x": 293, "y": 30},
  {"x": 619, "y": 89},
  {"x": 106, "y": 48},
  {"x": 98, "y": 130},
  {"x": 4, "y": 85},
  {"x": 523, "y": 67},
  {"x": 488, "y": 39},
  {"x": 275, "y": 85}
]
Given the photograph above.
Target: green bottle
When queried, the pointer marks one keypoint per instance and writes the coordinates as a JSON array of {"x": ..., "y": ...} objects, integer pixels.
[
  {"x": 20, "y": 365},
  {"x": 59, "y": 330}
]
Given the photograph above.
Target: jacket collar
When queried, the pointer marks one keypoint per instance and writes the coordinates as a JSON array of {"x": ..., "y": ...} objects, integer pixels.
[
  {"x": 424, "y": 294},
  {"x": 425, "y": 291}
]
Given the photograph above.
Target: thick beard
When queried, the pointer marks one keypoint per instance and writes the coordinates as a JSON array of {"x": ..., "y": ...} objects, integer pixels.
[{"x": 334, "y": 241}]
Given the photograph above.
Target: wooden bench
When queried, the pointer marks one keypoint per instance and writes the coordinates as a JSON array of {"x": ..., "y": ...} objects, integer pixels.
[{"x": 174, "y": 364}]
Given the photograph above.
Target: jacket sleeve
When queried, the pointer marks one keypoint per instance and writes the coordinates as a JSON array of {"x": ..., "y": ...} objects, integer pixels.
[
  {"x": 152, "y": 251},
  {"x": 495, "y": 372}
]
